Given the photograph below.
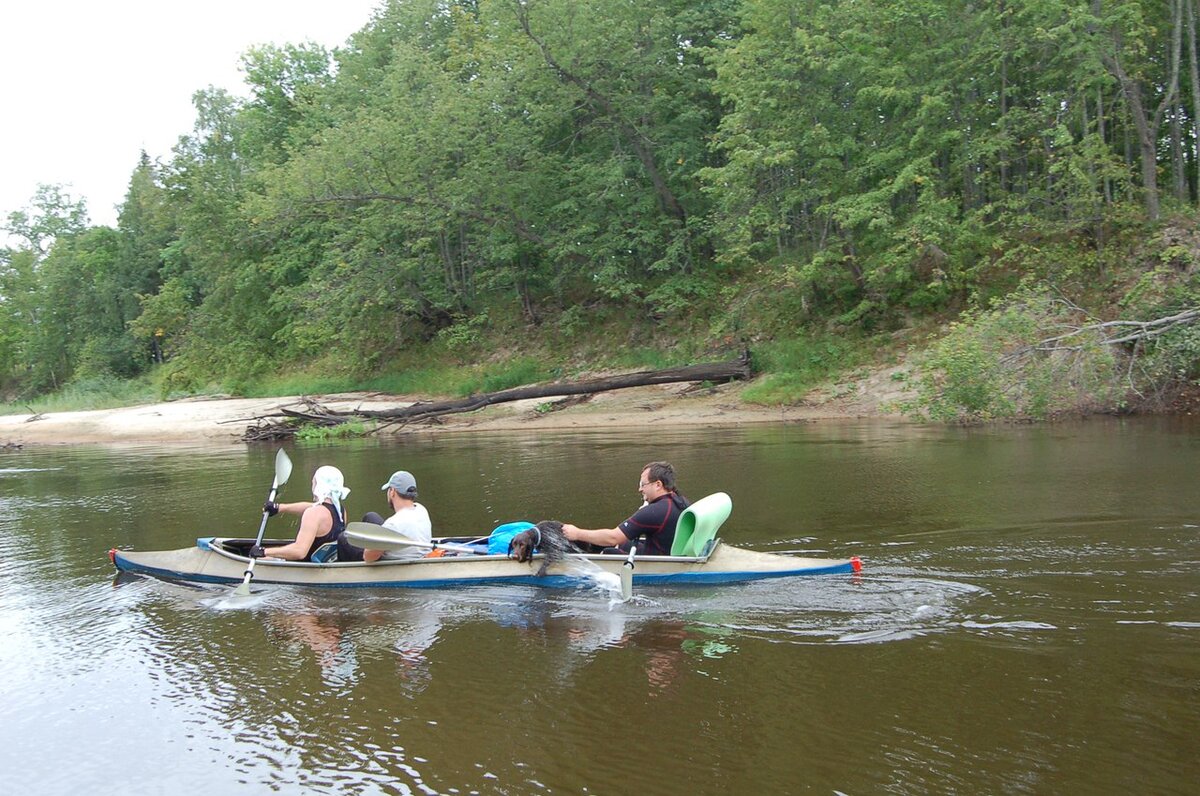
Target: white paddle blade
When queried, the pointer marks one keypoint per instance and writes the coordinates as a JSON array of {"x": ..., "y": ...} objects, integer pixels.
[
  {"x": 283, "y": 468},
  {"x": 370, "y": 536},
  {"x": 627, "y": 576},
  {"x": 376, "y": 537}
]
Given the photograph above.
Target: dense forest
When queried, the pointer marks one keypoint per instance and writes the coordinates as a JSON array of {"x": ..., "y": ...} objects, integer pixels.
[{"x": 495, "y": 178}]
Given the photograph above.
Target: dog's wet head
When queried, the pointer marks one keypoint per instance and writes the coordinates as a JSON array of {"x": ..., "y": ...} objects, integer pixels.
[
  {"x": 522, "y": 545},
  {"x": 546, "y": 538}
]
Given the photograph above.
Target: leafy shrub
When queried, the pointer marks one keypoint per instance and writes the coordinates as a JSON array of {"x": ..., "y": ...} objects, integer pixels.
[
  {"x": 680, "y": 293},
  {"x": 1027, "y": 356},
  {"x": 465, "y": 334},
  {"x": 1174, "y": 358},
  {"x": 355, "y": 428},
  {"x": 573, "y": 321}
]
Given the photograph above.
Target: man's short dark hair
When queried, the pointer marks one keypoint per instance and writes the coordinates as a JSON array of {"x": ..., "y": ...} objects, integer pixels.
[{"x": 662, "y": 471}]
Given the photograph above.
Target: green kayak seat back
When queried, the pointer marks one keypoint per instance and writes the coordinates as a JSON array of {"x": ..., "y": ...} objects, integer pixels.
[{"x": 699, "y": 523}]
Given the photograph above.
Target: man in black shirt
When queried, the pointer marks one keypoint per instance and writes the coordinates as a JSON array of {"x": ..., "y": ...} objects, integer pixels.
[{"x": 655, "y": 520}]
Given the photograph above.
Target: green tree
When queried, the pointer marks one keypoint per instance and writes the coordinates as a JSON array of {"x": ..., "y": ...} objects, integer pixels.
[
  {"x": 1142, "y": 47},
  {"x": 52, "y": 216},
  {"x": 284, "y": 107}
]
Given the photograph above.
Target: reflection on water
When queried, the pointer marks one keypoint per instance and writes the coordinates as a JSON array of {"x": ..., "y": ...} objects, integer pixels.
[{"x": 1026, "y": 622}]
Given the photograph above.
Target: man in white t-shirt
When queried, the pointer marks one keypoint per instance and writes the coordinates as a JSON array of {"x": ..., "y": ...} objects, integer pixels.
[{"x": 410, "y": 519}]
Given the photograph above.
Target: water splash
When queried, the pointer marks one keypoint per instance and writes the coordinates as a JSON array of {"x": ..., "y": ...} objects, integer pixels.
[{"x": 607, "y": 583}]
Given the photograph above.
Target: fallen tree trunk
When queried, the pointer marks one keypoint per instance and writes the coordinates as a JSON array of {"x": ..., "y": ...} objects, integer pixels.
[{"x": 314, "y": 413}]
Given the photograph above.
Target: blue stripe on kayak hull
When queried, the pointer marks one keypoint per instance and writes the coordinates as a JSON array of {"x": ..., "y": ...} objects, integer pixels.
[{"x": 125, "y": 565}]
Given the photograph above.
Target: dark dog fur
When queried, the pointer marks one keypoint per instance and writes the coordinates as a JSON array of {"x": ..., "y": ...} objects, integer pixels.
[{"x": 546, "y": 538}]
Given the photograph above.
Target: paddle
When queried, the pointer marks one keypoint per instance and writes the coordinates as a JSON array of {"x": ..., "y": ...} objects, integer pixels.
[
  {"x": 627, "y": 576},
  {"x": 377, "y": 537},
  {"x": 283, "y": 469}
]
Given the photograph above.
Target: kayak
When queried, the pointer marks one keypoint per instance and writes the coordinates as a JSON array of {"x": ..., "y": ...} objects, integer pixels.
[
  {"x": 223, "y": 560},
  {"x": 697, "y": 556}
]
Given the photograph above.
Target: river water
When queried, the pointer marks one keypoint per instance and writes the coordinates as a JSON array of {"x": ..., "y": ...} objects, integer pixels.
[{"x": 1027, "y": 621}]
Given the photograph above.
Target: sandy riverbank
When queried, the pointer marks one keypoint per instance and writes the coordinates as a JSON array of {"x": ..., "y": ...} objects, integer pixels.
[{"x": 225, "y": 420}]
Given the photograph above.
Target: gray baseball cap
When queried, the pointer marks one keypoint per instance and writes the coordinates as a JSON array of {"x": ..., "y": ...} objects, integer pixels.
[{"x": 403, "y": 482}]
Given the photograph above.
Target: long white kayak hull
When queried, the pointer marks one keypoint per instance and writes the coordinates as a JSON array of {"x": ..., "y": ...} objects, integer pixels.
[{"x": 209, "y": 562}]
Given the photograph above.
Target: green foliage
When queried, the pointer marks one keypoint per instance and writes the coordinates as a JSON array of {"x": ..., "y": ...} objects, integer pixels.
[
  {"x": 1170, "y": 286},
  {"x": 998, "y": 363},
  {"x": 682, "y": 173},
  {"x": 966, "y": 381},
  {"x": 53, "y": 214},
  {"x": 929, "y": 138},
  {"x": 176, "y": 380},
  {"x": 682, "y": 293},
  {"x": 418, "y": 380},
  {"x": 434, "y": 379},
  {"x": 465, "y": 334},
  {"x": 503, "y": 376},
  {"x": 1173, "y": 359},
  {"x": 574, "y": 321},
  {"x": 645, "y": 358},
  {"x": 793, "y": 367},
  {"x": 284, "y": 83},
  {"x": 117, "y": 356},
  {"x": 349, "y": 430},
  {"x": 101, "y": 392},
  {"x": 163, "y": 319}
]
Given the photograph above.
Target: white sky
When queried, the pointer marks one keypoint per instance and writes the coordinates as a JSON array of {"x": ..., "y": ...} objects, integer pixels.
[{"x": 85, "y": 86}]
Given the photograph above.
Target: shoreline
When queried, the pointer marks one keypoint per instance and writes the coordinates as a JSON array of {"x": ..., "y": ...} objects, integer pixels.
[{"x": 225, "y": 420}]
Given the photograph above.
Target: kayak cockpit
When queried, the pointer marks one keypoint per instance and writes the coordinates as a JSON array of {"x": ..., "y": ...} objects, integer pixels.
[{"x": 447, "y": 547}]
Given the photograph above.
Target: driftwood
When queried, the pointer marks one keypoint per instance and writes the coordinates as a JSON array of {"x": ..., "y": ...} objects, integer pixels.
[{"x": 313, "y": 413}]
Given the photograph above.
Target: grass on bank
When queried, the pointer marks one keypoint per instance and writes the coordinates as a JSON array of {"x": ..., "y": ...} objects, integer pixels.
[
  {"x": 794, "y": 367},
  {"x": 450, "y": 379},
  {"x": 791, "y": 367},
  {"x": 105, "y": 392}
]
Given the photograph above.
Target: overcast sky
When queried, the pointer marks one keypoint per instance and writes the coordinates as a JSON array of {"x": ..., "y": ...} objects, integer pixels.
[{"x": 85, "y": 86}]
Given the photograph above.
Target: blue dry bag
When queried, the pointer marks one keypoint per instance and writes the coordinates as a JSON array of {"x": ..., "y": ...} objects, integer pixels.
[{"x": 498, "y": 539}]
